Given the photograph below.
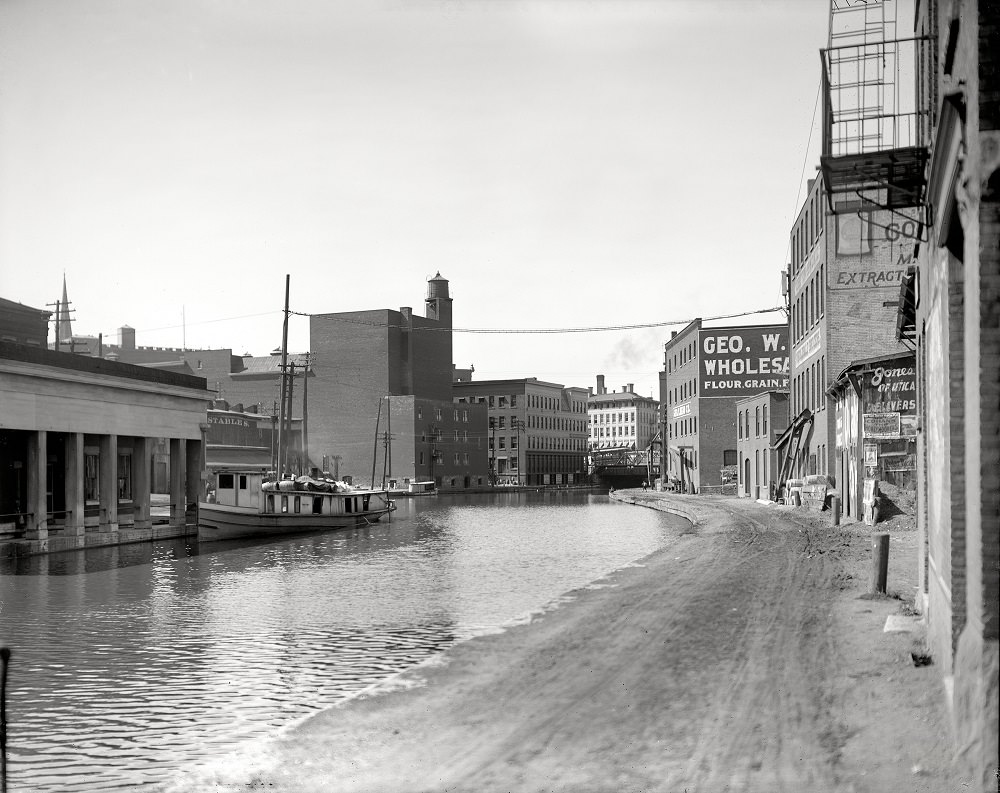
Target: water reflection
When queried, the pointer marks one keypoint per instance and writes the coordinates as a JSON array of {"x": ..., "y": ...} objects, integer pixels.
[{"x": 133, "y": 661}]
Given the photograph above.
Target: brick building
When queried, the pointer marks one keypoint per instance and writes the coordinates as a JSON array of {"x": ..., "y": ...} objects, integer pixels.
[
  {"x": 706, "y": 370},
  {"x": 537, "y": 431},
  {"x": 622, "y": 419},
  {"x": 759, "y": 420},
  {"x": 393, "y": 368},
  {"x": 948, "y": 313},
  {"x": 845, "y": 273}
]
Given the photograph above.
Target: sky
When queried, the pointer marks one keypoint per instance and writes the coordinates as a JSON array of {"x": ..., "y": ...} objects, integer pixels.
[{"x": 563, "y": 163}]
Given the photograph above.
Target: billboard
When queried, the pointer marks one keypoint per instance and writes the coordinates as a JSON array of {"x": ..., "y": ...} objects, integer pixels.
[
  {"x": 741, "y": 362},
  {"x": 889, "y": 396}
]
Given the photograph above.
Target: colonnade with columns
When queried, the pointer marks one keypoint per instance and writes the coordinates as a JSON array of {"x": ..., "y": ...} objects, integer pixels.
[{"x": 96, "y": 491}]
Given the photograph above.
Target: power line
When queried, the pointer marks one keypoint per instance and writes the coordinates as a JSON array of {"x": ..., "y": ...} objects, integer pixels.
[{"x": 589, "y": 329}]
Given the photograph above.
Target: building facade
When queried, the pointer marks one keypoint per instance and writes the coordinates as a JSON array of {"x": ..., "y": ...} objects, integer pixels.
[
  {"x": 380, "y": 397},
  {"x": 844, "y": 278},
  {"x": 706, "y": 370},
  {"x": 536, "y": 431},
  {"x": 77, "y": 459},
  {"x": 621, "y": 419},
  {"x": 948, "y": 314},
  {"x": 759, "y": 420}
]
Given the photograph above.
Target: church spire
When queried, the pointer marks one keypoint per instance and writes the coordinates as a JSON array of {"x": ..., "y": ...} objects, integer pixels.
[{"x": 65, "y": 329}]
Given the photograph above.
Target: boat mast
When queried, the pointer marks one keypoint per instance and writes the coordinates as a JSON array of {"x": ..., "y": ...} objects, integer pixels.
[{"x": 284, "y": 358}]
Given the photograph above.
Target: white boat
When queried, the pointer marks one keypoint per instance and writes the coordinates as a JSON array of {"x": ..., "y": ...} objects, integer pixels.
[{"x": 245, "y": 504}]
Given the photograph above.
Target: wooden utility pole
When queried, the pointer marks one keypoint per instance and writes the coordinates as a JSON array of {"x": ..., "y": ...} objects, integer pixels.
[{"x": 284, "y": 361}]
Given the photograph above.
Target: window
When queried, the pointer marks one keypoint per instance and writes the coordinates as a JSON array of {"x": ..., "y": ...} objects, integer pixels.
[
  {"x": 756, "y": 411},
  {"x": 455, "y": 416},
  {"x": 765, "y": 420},
  {"x": 465, "y": 416},
  {"x": 457, "y": 458},
  {"x": 421, "y": 458},
  {"x": 502, "y": 422},
  {"x": 729, "y": 457},
  {"x": 492, "y": 404},
  {"x": 502, "y": 442},
  {"x": 420, "y": 412},
  {"x": 513, "y": 400},
  {"x": 437, "y": 414},
  {"x": 125, "y": 476},
  {"x": 502, "y": 401},
  {"x": 513, "y": 441}
]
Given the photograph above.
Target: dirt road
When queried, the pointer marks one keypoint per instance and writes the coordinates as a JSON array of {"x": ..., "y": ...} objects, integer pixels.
[{"x": 740, "y": 658}]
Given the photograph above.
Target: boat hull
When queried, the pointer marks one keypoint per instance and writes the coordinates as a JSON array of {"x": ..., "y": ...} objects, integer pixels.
[{"x": 222, "y": 522}]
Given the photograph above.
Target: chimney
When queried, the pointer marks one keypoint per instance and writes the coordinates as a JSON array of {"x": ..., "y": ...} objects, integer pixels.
[
  {"x": 673, "y": 333},
  {"x": 600, "y": 385},
  {"x": 630, "y": 388}
]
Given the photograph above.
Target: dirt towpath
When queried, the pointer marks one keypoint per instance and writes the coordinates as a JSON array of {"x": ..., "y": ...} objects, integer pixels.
[{"x": 739, "y": 658}]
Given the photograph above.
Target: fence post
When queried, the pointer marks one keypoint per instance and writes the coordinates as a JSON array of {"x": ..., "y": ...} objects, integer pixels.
[{"x": 835, "y": 508}]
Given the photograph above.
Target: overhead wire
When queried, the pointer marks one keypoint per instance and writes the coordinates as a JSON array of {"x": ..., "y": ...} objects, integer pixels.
[{"x": 587, "y": 329}]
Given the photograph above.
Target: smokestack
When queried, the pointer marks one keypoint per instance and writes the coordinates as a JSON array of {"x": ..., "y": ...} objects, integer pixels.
[{"x": 600, "y": 385}]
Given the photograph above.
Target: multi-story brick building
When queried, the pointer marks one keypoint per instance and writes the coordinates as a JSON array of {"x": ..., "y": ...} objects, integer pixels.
[
  {"x": 393, "y": 369},
  {"x": 759, "y": 420},
  {"x": 537, "y": 431},
  {"x": 845, "y": 273},
  {"x": 621, "y": 419},
  {"x": 706, "y": 370}
]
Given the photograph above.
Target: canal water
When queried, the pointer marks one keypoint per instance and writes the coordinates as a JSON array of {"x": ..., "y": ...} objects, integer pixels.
[{"x": 140, "y": 664}]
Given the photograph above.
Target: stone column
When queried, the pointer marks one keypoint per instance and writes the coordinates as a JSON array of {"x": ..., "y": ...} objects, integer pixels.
[
  {"x": 140, "y": 482},
  {"x": 109, "y": 483},
  {"x": 178, "y": 460},
  {"x": 37, "y": 524},
  {"x": 194, "y": 486},
  {"x": 74, "y": 525}
]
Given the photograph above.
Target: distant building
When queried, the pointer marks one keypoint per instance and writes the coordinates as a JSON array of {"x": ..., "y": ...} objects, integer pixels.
[
  {"x": 382, "y": 387},
  {"x": 22, "y": 324},
  {"x": 759, "y": 420},
  {"x": 621, "y": 419},
  {"x": 537, "y": 430},
  {"x": 706, "y": 370}
]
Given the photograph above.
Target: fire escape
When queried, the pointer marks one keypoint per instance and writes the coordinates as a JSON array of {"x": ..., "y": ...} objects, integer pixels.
[{"x": 874, "y": 130}]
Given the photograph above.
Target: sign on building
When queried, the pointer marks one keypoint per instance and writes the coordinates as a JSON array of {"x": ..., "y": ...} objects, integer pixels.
[{"x": 741, "y": 362}]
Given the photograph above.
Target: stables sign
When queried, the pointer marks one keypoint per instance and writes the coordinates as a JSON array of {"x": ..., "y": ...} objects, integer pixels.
[{"x": 740, "y": 362}]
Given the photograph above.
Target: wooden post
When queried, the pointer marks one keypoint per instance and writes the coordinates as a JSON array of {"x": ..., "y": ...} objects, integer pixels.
[
  {"x": 835, "y": 508},
  {"x": 880, "y": 562}
]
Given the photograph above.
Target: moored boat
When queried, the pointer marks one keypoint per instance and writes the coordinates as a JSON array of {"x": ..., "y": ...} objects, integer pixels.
[{"x": 247, "y": 504}]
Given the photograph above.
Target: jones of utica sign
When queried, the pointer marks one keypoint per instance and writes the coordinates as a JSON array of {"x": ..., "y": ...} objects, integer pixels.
[{"x": 743, "y": 361}]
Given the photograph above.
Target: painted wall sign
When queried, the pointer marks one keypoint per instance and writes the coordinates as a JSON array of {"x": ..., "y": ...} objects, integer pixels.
[
  {"x": 806, "y": 348},
  {"x": 870, "y": 279},
  {"x": 681, "y": 410},
  {"x": 743, "y": 361},
  {"x": 229, "y": 420}
]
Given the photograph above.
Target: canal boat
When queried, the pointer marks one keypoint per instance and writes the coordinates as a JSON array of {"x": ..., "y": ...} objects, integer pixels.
[{"x": 248, "y": 504}]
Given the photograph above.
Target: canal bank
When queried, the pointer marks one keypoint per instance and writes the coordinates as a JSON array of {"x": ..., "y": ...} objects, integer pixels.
[{"x": 743, "y": 656}]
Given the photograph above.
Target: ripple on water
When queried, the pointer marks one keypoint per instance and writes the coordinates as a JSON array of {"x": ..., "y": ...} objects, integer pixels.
[{"x": 127, "y": 674}]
